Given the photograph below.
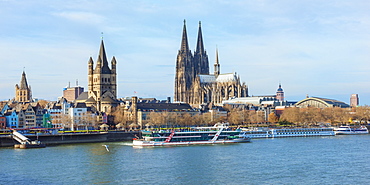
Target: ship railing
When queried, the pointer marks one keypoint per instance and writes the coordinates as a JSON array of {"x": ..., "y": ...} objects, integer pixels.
[{"x": 217, "y": 134}]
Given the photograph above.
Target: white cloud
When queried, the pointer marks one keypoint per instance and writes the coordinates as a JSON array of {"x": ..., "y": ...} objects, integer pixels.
[{"x": 82, "y": 17}]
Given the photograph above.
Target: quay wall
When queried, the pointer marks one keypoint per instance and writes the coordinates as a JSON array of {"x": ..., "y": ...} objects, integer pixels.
[{"x": 70, "y": 138}]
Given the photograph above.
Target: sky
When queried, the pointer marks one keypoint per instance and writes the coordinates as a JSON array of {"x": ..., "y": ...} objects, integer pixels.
[{"x": 318, "y": 48}]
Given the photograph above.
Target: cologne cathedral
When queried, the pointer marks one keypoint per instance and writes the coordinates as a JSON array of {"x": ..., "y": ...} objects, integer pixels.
[{"x": 193, "y": 82}]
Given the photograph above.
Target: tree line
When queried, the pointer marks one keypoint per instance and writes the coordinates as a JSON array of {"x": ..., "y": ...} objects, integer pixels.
[
  {"x": 309, "y": 116},
  {"x": 291, "y": 116}
]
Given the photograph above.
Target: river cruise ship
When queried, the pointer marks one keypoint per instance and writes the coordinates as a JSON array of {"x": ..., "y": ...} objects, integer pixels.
[
  {"x": 218, "y": 134},
  {"x": 347, "y": 130},
  {"x": 288, "y": 132}
]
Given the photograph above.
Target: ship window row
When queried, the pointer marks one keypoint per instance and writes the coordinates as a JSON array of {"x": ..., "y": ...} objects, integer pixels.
[
  {"x": 303, "y": 130},
  {"x": 286, "y": 133},
  {"x": 190, "y": 139}
]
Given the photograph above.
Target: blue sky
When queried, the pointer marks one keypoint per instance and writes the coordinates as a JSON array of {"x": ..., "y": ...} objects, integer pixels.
[{"x": 319, "y": 48}]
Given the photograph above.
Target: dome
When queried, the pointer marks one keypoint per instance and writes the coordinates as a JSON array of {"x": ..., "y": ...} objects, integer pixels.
[{"x": 280, "y": 89}]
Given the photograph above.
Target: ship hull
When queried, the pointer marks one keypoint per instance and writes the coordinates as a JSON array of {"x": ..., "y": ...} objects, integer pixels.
[{"x": 140, "y": 142}]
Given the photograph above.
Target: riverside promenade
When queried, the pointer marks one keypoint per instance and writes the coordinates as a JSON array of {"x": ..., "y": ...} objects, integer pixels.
[{"x": 69, "y": 138}]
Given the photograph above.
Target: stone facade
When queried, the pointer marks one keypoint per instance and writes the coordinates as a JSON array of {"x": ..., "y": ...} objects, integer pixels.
[{"x": 193, "y": 82}]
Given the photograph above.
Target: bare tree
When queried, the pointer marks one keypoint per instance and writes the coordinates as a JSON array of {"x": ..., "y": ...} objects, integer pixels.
[
  {"x": 67, "y": 122},
  {"x": 291, "y": 114},
  {"x": 235, "y": 117},
  {"x": 120, "y": 117},
  {"x": 362, "y": 114},
  {"x": 155, "y": 118}
]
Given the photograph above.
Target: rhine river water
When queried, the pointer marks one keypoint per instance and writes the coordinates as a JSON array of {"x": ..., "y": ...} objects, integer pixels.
[{"x": 304, "y": 160}]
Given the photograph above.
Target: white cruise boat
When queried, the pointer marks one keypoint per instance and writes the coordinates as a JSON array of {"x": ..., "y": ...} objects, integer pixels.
[
  {"x": 347, "y": 130},
  {"x": 288, "y": 132},
  {"x": 218, "y": 134}
]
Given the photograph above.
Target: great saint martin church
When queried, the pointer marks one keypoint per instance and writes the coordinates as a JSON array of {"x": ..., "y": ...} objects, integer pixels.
[
  {"x": 193, "y": 82},
  {"x": 102, "y": 82}
]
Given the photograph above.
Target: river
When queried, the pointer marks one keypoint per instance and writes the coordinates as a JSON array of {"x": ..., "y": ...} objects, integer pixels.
[{"x": 303, "y": 160}]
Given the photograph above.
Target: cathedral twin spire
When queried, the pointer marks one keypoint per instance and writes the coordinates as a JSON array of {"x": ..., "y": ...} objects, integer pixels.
[
  {"x": 193, "y": 82},
  {"x": 188, "y": 66},
  {"x": 199, "y": 62}
]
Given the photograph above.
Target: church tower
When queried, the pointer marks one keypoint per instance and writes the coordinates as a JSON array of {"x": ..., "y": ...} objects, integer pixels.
[
  {"x": 185, "y": 70},
  {"x": 102, "y": 81},
  {"x": 23, "y": 92},
  {"x": 200, "y": 55},
  {"x": 280, "y": 93}
]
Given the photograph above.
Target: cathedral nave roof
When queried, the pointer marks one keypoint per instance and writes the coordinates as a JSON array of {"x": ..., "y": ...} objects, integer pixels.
[
  {"x": 207, "y": 78},
  {"x": 227, "y": 77}
]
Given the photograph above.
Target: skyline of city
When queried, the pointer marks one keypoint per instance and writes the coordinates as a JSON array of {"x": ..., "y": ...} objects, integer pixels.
[{"x": 310, "y": 48}]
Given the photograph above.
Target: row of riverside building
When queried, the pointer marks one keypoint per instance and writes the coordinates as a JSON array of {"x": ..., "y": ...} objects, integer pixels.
[{"x": 196, "y": 91}]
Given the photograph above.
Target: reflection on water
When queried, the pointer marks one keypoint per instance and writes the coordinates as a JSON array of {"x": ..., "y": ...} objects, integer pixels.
[{"x": 315, "y": 160}]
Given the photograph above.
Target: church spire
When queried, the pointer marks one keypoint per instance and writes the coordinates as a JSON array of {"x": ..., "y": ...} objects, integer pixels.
[
  {"x": 23, "y": 83},
  {"x": 103, "y": 59},
  {"x": 200, "y": 45},
  {"x": 217, "y": 64},
  {"x": 184, "y": 42},
  {"x": 102, "y": 54}
]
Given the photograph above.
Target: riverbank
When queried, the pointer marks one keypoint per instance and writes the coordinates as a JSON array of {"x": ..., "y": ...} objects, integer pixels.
[{"x": 70, "y": 138}]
